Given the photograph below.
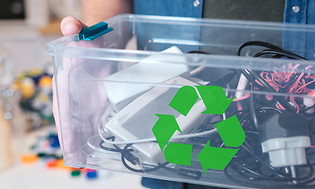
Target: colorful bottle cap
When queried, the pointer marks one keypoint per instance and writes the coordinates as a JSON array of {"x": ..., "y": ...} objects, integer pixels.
[
  {"x": 75, "y": 173},
  {"x": 51, "y": 164},
  {"x": 91, "y": 174},
  {"x": 45, "y": 81},
  {"x": 41, "y": 155},
  {"x": 55, "y": 143},
  {"x": 29, "y": 158}
]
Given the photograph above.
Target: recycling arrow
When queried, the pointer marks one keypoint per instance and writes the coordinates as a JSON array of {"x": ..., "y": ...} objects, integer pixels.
[
  {"x": 164, "y": 129},
  {"x": 231, "y": 132},
  {"x": 215, "y": 158},
  {"x": 178, "y": 153},
  {"x": 214, "y": 99},
  {"x": 184, "y": 100},
  {"x": 232, "y": 135}
]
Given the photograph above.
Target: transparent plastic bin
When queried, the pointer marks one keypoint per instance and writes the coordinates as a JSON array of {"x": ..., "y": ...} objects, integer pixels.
[{"x": 122, "y": 109}]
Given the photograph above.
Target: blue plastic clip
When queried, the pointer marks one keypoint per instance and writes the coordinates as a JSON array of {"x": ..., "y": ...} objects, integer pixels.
[{"x": 93, "y": 32}]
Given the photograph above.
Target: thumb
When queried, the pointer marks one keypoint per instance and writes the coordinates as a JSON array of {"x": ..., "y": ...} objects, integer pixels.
[{"x": 70, "y": 25}]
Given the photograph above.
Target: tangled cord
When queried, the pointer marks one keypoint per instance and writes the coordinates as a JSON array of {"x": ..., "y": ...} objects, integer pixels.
[
  {"x": 259, "y": 170},
  {"x": 130, "y": 157},
  {"x": 250, "y": 163}
]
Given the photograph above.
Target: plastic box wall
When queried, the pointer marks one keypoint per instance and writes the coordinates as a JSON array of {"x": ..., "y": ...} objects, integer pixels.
[{"x": 81, "y": 69}]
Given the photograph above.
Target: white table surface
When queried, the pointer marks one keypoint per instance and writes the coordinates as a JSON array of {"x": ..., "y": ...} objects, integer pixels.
[{"x": 37, "y": 176}]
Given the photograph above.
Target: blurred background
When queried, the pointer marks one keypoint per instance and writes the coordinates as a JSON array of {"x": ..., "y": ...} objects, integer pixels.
[{"x": 30, "y": 155}]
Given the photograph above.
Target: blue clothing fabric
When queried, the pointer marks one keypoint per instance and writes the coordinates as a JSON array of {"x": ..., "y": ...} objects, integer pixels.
[
  {"x": 297, "y": 17},
  {"x": 193, "y": 8},
  {"x": 180, "y": 8},
  {"x": 296, "y": 11},
  {"x": 299, "y": 42}
]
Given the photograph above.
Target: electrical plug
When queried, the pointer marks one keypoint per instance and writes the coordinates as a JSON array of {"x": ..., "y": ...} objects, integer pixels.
[{"x": 285, "y": 137}]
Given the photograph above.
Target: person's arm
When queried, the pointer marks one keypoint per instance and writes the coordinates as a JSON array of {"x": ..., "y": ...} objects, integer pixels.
[{"x": 95, "y": 11}]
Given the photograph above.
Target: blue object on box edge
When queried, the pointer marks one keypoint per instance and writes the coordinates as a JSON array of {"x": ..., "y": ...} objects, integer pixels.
[{"x": 93, "y": 32}]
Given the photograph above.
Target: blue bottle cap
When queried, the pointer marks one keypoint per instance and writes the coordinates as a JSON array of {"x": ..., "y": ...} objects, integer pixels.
[
  {"x": 54, "y": 143},
  {"x": 91, "y": 174}
]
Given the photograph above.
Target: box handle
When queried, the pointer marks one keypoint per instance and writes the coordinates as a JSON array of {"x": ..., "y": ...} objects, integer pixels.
[{"x": 93, "y": 32}]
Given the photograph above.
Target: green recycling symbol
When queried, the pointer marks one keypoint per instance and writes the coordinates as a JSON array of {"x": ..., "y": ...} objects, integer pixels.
[{"x": 230, "y": 130}]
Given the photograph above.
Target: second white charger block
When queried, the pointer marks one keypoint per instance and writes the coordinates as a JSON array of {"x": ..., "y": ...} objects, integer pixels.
[{"x": 126, "y": 85}]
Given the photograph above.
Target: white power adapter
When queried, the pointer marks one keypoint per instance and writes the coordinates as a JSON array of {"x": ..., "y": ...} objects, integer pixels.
[
  {"x": 128, "y": 84},
  {"x": 137, "y": 119}
]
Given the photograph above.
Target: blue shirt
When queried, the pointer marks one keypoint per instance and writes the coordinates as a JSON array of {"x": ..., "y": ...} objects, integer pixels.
[{"x": 296, "y": 12}]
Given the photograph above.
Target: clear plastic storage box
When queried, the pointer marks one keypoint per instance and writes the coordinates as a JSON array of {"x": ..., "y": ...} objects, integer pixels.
[{"x": 211, "y": 102}]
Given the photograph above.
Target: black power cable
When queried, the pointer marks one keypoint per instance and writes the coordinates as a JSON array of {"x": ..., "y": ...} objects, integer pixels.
[
  {"x": 257, "y": 43},
  {"x": 280, "y": 53},
  {"x": 127, "y": 155}
]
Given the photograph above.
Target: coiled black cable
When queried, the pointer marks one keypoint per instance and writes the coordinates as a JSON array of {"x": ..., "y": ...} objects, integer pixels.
[{"x": 253, "y": 165}]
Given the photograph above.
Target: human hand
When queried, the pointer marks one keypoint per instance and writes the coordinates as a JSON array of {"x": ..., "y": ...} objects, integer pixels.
[
  {"x": 77, "y": 104},
  {"x": 69, "y": 25},
  {"x": 68, "y": 77}
]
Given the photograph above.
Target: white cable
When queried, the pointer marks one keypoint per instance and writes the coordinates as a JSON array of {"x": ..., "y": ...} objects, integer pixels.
[
  {"x": 147, "y": 139},
  {"x": 196, "y": 70},
  {"x": 226, "y": 94},
  {"x": 242, "y": 83}
]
